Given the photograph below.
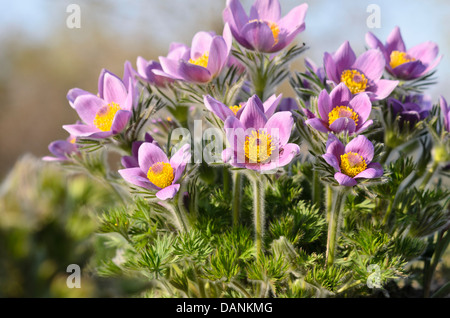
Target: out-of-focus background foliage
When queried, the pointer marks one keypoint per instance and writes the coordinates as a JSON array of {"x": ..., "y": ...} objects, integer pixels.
[{"x": 46, "y": 216}]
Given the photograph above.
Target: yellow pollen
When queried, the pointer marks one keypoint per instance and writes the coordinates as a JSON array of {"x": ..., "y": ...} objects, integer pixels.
[
  {"x": 104, "y": 118},
  {"x": 273, "y": 26},
  {"x": 354, "y": 80},
  {"x": 352, "y": 164},
  {"x": 73, "y": 140},
  {"x": 169, "y": 119},
  {"x": 202, "y": 60},
  {"x": 235, "y": 109},
  {"x": 398, "y": 58},
  {"x": 258, "y": 147},
  {"x": 160, "y": 174},
  {"x": 340, "y": 112}
]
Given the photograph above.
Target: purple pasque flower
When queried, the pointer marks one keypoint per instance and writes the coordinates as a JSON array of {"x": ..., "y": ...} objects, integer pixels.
[
  {"x": 412, "y": 109},
  {"x": 200, "y": 63},
  {"x": 264, "y": 30},
  {"x": 146, "y": 71},
  {"x": 61, "y": 149},
  {"x": 257, "y": 142},
  {"x": 223, "y": 111},
  {"x": 360, "y": 74},
  {"x": 132, "y": 161},
  {"x": 353, "y": 161},
  {"x": 341, "y": 111},
  {"x": 402, "y": 63},
  {"x": 445, "y": 111},
  {"x": 156, "y": 172},
  {"x": 105, "y": 114}
]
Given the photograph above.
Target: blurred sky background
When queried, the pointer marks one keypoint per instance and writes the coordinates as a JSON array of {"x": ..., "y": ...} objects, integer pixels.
[{"x": 41, "y": 59}]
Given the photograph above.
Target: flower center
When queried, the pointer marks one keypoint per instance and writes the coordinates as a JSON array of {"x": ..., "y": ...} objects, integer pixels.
[
  {"x": 398, "y": 58},
  {"x": 104, "y": 118},
  {"x": 352, "y": 164},
  {"x": 354, "y": 80},
  {"x": 201, "y": 61},
  {"x": 340, "y": 112},
  {"x": 258, "y": 147},
  {"x": 160, "y": 174},
  {"x": 273, "y": 26},
  {"x": 235, "y": 109}
]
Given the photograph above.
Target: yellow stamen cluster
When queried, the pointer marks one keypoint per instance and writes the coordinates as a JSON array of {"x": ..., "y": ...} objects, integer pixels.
[
  {"x": 202, "y": 60},
  {"x": 235, "y": 109},
  {"x": 273, "y": 26},
  {"x": 340, "y": 112},
  {"x": 258, "y": 147},
  {"x": 352, "y": 164},
  {"x": 354, "y": 80},
  {"x": 398, "y": 58},
  {"x": 160, "y": 174},
  {"x": 104, "y": 118}
]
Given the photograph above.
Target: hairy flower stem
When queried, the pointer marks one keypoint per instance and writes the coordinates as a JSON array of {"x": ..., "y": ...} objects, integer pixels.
[
  {"x": 443, "y": 241},
  {"x": 236, "y": 203},
  {"x": 316, "y": 189},
  {"x": 334, "y": 224},
  {"x": 226, "y": 181},
  {"x": 258, "y": 212},
  {"x": 329, "y": 202}
]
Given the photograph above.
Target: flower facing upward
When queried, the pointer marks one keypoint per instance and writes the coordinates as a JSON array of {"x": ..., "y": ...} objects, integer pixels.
[
  {"x": 360, "y": 74},
  {"x": 352, "y": 162},
  {"x": 203, "y": 61},
  {"x": 402, "y": 63},
  {"x": 156, "y": 172},
  {"x": 223, "y": 111},
  {"x": 264, "y": 30},
  {"x": 341, "y": 111},
  {"x": 257, "y": 142},
  {"x": 105, "y": 114}
]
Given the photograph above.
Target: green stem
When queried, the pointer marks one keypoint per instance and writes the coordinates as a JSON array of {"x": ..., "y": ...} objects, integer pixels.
[
  {"x": 334, "y": 224},
  {"x": 316, "y": 189},
  {"x": 441, "y": 246},
  {"x": 258, "y": 212},
  {"x": 237, "y": 191},
  {"x": 388, "y": 212},
  {"x": 430, "y": 173},
  {"x": 329, "y": 201},
  {"x": 226, "y": 181}
]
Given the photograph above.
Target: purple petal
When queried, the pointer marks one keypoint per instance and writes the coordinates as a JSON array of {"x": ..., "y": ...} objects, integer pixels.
[
  {"x": 235, "y": 15},
  {"x": 179, "y": 160},
  {"x": 168, "y": 192},
  {"x": 74, "y": 93},
  {"x": 295, "y": 19},
  {"x": 345, "y": 180},
  {"x": 343, "y": 124},
  {"x": 382, "y": 89},
  {"x": 87, "y": 107},
  {"x": 334, "y": 146},
  {"x": 218, "y": 108},
  {"x": 218, "y": 55},
  {"x": 362, "y": 105},
  {"x": 409, "y": 70},
  {"x": 170, "y": 68},
  {"x": 113, "y": 89},
  {"x": 362, "y": 146},
  {"x": 268, "y": 10},
  {"x": 150, "y": 154},
  {"x": 425, "y": 52},
  {"x": 374, "y": 43},
  {"x": 332, "y": 160},
  {"x": 287, "y": 153},
  {"x": 61, "y": 148},
  {"x": 120, "y": 121},
  {"x": 340, "y": 96},
  {"x": 330, "y": 68},
  {"x": 371, "y": 63},
  {"x": 318, "y": 124},
  {"x": 193, "y": 73},
  {"x": 271, "y": 104},
  {"x": 344, "y": 58},
  {"x": 259, "y": 35},
  {"x": 373, "y": 170},
  {"x": 253, "y": 114},
  {"x": 136, "y": 176},
  {"x": 324, "y": 105},
  {"x": 395, "y": 42},
  {"x": 81, "y": 130},
  {"x": 280, "y": 123},
  {"x": 200, "y": 44},
  {"x": 363, "y": 127}
]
